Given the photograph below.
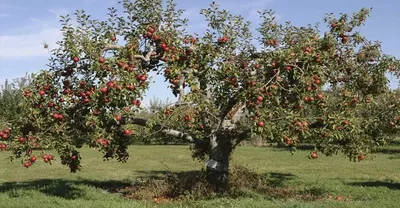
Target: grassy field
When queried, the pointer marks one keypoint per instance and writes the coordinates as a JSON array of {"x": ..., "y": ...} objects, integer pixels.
[{"x": 370, "y": 183}]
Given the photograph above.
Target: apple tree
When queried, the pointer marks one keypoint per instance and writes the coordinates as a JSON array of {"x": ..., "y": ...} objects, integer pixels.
[{"x": 229, "y": 85}]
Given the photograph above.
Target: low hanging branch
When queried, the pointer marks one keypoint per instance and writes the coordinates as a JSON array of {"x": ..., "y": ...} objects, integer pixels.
[{"x": 163, "y": 129}]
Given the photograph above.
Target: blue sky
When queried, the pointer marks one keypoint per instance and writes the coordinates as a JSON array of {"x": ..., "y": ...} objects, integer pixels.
[{"x": 25, "y": 25}]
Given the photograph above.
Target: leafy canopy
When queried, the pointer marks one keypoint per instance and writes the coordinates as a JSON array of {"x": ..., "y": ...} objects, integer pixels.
[{"x": 290, "y": 84}]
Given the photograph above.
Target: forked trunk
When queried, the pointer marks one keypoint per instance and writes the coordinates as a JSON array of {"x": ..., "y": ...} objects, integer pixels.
[{"x": 218, "y": 164}]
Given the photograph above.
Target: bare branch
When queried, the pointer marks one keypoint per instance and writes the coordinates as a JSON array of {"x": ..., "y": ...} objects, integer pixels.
[
  {"x": 148, "y": 55},
  {"x": 171, "y": 132},
  {"x": 178, "y": 103},
  {"x": 116, "y": 47},
  {"x": 181, "y": 88},
  {"x": 236, "y": 116},
  {"x": 208, "y": 91},
  {"x": 110, "y": 47},
  {"x": 297, "y": 67}
]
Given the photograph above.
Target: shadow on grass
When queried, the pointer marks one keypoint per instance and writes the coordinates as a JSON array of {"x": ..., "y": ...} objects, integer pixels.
[
  {"x": 396, "y": 157},
  {"x": 395, "y": 142},
  {"x": 67, "y": 189},
  {"x": 276, "y": 179},
  {"x": 390, "y": 149},
  {"x": 273, "y": 179},
  {"x": 389, "y": 185},
  {"x": 387, "y": 150},
  {"x": 170, "y": 185}
]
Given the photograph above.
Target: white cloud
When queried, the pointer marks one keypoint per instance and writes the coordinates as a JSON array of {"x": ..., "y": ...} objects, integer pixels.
[
  {"x": 28, "y": 41},
  {"x": 29, "y": 44}
]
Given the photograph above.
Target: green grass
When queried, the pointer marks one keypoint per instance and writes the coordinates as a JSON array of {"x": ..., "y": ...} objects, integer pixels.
[{"x": 370, "y": 183}]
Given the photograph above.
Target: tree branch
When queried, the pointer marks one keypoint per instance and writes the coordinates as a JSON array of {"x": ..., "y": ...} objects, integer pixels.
[
  {"x": 163, "y": 129},
  {"x": 145, "y": 58},
  {"x": 110, "y": 47},
  {"x": 240, "y": 137},
  {"x": 181, "y": 88},
  {"x": 236, "y": 116},
  {"x": 232, "y": 102}
]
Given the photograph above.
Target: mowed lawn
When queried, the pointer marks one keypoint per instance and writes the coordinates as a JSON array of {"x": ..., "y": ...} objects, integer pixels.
[{"x": 371, "y": 183}]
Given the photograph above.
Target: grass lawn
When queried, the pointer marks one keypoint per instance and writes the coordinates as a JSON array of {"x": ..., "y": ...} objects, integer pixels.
[{"x": 370, "y": 183}]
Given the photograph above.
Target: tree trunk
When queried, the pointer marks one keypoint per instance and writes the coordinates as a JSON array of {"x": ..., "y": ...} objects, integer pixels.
[{"x": 218, "y": 164}]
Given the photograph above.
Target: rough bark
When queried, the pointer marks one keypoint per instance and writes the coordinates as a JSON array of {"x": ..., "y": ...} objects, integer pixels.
[{"x": 218, "y": 164}]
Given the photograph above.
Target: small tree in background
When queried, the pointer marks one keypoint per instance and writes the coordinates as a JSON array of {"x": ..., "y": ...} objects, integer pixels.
[
  {"x": 227, "y": 89},
  {"x": 11, "y": 98}
]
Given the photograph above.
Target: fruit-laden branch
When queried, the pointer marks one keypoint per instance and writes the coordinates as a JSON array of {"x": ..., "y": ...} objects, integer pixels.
[
  {"x": 163, "y": 129},
  {"x": 236, "y": 109},
  {"x": 145, "y": 58}
]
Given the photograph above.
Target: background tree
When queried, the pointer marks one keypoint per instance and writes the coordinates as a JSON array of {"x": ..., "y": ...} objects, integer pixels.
[
  {"x": 228, "y": 89},
  {"x": 11, "y": 97}
]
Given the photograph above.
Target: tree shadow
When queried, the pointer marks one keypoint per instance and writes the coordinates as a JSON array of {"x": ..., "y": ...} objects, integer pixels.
[
  {"x": 395, "y": 142},
  {"x": 168, "y": 184},
  {"x": 383, "y": 150},
  {"x": 396, "y": 157},
  {"x": 67, "y": 189},
  {"x": 389, "y": 185},
  {"x": 276, "y": 179},
  {"x": 162, "y": 174},
  {"x": 387, "y": 150}
]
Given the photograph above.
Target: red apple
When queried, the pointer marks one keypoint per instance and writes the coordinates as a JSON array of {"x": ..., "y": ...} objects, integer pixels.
[
  {"x": 187, "y": 118},
  {"x": 27, "y": 164},
  {"x": 131, "y": 87},
  {"x": 151, "y": 29},
  {"x": 104, "y": 90},
  {"x": 127, "y": 132},
  {"x": 21, "y": 140},
  {"x": 339, "y": 198},
  {"x": 102, "y": 60},
  {"x": 75, "y": 59},
  {"x": 314, "y": 155},
  {"x": 361, "y": 157},
  {"x": 50, "y": 157},
  {"x": 260, "y": 123},
  {"x": 110, "y": 84}
]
